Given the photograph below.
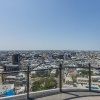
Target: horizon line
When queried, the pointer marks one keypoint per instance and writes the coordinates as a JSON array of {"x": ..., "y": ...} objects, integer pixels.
[{"x": 46, "y": 50}]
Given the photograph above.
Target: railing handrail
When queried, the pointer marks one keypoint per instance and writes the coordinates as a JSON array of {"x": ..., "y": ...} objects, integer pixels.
[
  {"x": 60, "y": 77},
  {"x": 41, "y": 69}
]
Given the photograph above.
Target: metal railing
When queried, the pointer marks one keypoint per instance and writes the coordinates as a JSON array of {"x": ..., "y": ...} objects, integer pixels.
[{"x": 60, "y": 76}]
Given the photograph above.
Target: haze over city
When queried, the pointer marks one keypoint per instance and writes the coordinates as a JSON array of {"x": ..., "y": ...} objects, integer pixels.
[{"x": 49, "y": 25}]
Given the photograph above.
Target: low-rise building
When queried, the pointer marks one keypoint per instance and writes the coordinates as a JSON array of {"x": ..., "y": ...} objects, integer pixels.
[
  {"x": 95, "y": 78},
  {"x": 82, "y": 80},
  {"x": 68, "y": 80}
]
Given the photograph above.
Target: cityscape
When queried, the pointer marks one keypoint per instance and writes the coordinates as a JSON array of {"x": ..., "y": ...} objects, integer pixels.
[
  {"x": 44, "y": 70},
  {"x": 49, "y": 50}
]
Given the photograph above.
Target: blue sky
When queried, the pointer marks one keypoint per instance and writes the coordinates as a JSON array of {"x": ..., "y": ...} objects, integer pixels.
[{"x": 49, "y": 24}]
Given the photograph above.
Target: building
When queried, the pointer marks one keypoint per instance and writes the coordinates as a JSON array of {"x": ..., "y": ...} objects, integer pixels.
[
  {"x": 82, "y": 80},
  {"x": 10, "y": 79},
  {"x": 1, "y": 74},
  {"x": 95, "y": 78},
  {"x": 15, "y": 59},
  {"x": 68, "y": 80},
  {"x": 10, "y": 67},
  {"x": 17, "y": 80},
  {"x": 54, "y": 72}
]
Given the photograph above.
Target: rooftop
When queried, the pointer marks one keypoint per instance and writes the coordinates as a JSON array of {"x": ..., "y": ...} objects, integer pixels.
[{"x": 55, "y": 95}]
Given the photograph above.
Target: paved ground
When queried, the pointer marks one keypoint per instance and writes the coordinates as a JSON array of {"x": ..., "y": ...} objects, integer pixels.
[
  {"x": 60, "y": 96},
  {"x": 73, "y": 96}
]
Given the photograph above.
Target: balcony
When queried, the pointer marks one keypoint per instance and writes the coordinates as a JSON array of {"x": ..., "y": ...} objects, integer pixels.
[{"x": 63, "y": 83}]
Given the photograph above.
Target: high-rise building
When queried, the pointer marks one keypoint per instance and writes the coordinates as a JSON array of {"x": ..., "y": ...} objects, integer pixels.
[{"x": 15, "y": 59}]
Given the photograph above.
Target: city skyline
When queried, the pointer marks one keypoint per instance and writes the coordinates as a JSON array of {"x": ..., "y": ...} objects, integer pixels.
[{"x": 49, "y": 25}]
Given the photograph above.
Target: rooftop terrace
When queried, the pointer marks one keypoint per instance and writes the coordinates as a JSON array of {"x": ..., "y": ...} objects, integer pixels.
[{"x": 60, "y": 92}]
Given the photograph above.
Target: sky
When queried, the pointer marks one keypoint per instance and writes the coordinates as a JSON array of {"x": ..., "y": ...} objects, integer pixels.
[{"x": 49, "y": 24}]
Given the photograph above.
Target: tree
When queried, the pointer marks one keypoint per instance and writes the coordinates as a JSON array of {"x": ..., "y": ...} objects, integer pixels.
[
  {"x": 84, "y": 73},
  {"x": 44, "y": 83},
  {"x": 50, "y": 83}
]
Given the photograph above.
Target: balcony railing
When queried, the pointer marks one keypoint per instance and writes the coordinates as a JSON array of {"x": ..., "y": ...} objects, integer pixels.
[{"x": 64, "y": 78}]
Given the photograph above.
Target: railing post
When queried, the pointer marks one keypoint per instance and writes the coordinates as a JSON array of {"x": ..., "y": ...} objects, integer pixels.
[
  {"x": 60, "y": 77},
  {"x": 89, "y": 77},
  {"x": 28, "y": 83}
]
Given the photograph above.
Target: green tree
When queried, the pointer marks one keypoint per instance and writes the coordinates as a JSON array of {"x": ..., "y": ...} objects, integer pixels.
[
  {"x": 84, "y": 73},
  {"x": 44, "y": 83},
  {"x": 50, "y": 83}
]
